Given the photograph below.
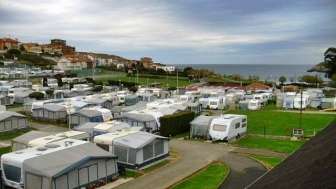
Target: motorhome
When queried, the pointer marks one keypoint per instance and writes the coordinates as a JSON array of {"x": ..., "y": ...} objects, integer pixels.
[
  {"x": 254, "y": 104},
  {"x": 228, "y": 127},
  {"x": 216, "y": 103}
]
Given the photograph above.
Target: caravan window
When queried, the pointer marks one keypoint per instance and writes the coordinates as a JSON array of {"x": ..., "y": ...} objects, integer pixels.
[
  {"x": 12, "y": 173},
  {"x": 237, "y": 125},
  {"x": 213, "y": 103},
  {"x": 244, "y": 120},
  {"x": 244, "y": 125},
  {"x": 219, "y": 127}
]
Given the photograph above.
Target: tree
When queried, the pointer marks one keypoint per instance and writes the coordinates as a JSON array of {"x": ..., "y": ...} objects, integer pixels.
[
  {"x": 134, "y": 89},
  {"x": 282, "y": 80},
  {"x": 330, "y": 61},
  {"x": 311, "y": 79},
  {"x": 45, "y": 82},
  {"x": 11, "y": 53},
  {"x": 59, "y": 80},
  {"x": 97, "y": 88},
  {"x": 36, "y": 95},
  {"x": 50, "y": 92}
]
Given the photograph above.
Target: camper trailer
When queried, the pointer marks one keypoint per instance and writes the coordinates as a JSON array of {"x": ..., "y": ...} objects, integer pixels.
[
  {"x": 204, "y": 102},
  {"x": 288, "y": 100},
  {"x": 67, "y": 163},
  {"x": 216, "y": 103},
  {"x": 328, "y": 103},
  {"x": 262, "y": 97},
  {"x": 228, "y": 127},
  {"x": 134, "y": 149},
  {"x": 254, "y": 104},
  {"x": 301, "y": 101}
]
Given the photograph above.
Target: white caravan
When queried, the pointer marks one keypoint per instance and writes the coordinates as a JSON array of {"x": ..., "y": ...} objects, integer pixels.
[
  {"x": 227, "y": 127},
  {"x": 263, "y": 98},
  {"x": 12, "y": 164},
  {"x": 121, "y": 96},
  {"x": 204, "y": 102},
  {"x": 254, "y": 104},
  {"x": 216, "y": 103},
  {"x": 305, "y": 101}
]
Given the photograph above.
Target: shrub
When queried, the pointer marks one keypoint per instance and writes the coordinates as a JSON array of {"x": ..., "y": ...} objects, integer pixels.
[
  {"x": 177, "y": 123},
  {"x": 36, "y": 95}
]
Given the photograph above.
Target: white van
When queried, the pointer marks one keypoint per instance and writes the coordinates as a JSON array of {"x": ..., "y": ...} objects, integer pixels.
[{"x": 228, "y": 127}]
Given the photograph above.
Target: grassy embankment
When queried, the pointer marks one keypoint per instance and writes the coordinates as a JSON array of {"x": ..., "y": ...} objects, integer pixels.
[
  {"x": 268, "y": 129},
  {"x": 268, "y": 162},
  {"x": 209, "y": 178}
]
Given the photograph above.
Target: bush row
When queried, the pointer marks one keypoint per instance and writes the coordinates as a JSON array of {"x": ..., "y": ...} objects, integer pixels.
[{"x": 177, "y": 123}]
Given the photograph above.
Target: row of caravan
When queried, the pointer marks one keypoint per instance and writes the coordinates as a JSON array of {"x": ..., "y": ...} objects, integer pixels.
[
  {"x": 225, "y": 127},
  {"x": 76, "y": 159},
  {"x": 291, "y": 100}
]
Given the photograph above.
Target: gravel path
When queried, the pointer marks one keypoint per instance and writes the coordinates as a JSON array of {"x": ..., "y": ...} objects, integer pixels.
[{"x": 194, "y": 156}]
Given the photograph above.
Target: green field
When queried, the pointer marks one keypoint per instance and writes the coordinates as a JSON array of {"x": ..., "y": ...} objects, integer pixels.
[
  {"x": 277, "y": 145},
  {"x": 269, "y": 162},
  {"x": 282, "y": 123},
  {"x": 209, "y": 178},
  {"x": 144, "y": 79}
]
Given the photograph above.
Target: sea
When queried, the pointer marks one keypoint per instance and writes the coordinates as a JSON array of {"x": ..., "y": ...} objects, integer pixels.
[{"x": 264, "y": 72}]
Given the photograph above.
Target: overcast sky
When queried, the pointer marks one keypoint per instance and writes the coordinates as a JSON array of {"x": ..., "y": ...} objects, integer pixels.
[{"x": 181, "y": 31}]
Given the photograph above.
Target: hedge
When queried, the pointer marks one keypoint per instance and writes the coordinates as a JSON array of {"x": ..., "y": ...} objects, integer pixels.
[
  {"x": 125, "y": 83},
  {"x": 177, "y": 123}
]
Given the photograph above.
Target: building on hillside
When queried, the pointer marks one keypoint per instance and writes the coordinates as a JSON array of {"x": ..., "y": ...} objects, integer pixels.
[
  {"x": 8, "y": 43},
  {"x": 61, "y": 44},
  {"x": 146, "y": 62},
  {"x": 32, "y": 48},
  {"x": 258, "y": 87},
  {"x": 12, "y": 121},
  {"x": 71, "y": 63}
]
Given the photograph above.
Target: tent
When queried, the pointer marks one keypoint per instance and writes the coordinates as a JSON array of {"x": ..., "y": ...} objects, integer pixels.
[{"x": 200, "y": 126}]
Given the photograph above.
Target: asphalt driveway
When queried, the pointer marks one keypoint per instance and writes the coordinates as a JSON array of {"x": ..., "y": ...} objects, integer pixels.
[{"x": 195, "y": 155}]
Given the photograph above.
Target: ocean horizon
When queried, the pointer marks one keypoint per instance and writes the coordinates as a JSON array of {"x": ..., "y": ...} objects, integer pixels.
[{"x": 264, "y": 71}]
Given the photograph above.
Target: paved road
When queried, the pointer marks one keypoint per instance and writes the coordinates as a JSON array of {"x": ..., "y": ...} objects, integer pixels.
[{"x": 195, "y": 155}]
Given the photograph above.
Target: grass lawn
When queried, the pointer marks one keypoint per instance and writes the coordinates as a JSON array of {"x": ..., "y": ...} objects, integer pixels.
[
  {"x": 282, "y": 123},
  {"x": 277, "y": 145},
  {"x": 8, "y": 135},
  {"x": 155, "y": 166},
  {"x": 144, "y": 79},
  {"x": 5, "y": 150},
  {"x": 268, "y": 161},
  {"x": 209, "y": 178},
  {"x": 131, "y": 173}
]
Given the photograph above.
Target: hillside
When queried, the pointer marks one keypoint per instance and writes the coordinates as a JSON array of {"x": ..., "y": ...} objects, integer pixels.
[{"x": 109, "y": 56}]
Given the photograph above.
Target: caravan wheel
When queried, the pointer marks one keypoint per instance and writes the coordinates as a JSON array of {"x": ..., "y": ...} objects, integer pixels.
[{"x": 238, "y": 136}]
